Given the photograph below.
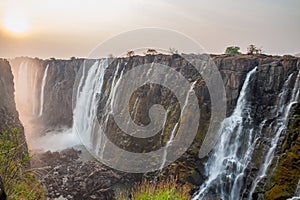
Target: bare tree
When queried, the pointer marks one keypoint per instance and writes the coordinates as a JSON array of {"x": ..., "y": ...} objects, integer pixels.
[
  {"x": 252, "y": 49},
  {"x": 130, "y": 53}
]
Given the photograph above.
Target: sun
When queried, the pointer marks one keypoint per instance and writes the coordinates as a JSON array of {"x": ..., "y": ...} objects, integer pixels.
[{"x": 16, "y": 23}]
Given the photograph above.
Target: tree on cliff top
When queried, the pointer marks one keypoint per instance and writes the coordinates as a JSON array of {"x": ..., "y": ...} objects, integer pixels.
[
  {"x": 232, "y": 50},
  {"x": 252, "y": 49}
]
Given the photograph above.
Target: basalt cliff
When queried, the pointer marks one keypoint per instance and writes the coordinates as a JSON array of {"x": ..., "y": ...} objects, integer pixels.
[{"x": 256, "y": 155}]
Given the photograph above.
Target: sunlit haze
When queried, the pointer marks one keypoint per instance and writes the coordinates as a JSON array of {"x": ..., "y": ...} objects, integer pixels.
[{"x": 41, "y": 28}]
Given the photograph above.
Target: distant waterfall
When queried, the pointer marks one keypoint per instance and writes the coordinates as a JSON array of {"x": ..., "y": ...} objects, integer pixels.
[
  {"x": 43, "y": 90},
  {"x": 226, "y": 165},
  {"x": 169, "y": 142},
  {"x": 23, "y": 82},
  {"x": 88, "y": 94},
  {"x": 34, "y": 107}
]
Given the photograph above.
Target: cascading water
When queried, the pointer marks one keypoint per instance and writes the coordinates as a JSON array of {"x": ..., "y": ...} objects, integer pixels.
[
  {"x": 239, "y": 136},
  {"x": 88, "y": 94},
  {"x": 169, "y": 142},
  {"x": 278, "y": 127},
  {"x": 226, "y": 166},
  {"x": 43, "y": 90},
  {"x": 34, "y": 107}
]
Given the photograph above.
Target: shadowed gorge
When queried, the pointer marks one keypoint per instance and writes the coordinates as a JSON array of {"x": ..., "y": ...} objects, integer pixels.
[{"x": 64, "y": 104}]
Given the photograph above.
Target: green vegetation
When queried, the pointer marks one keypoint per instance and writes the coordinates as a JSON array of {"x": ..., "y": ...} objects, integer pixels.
[
  {"x": 252, "y": 49},
  {"x": 233, "y": 50},
  {"x": 18, "y": 181},
  {"x": 168, "y": 189}
]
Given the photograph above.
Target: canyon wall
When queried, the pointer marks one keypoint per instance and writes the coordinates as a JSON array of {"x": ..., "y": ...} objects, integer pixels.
[
  {"x": 9, "y": 117},
  {"x": 274, "y": 76}
]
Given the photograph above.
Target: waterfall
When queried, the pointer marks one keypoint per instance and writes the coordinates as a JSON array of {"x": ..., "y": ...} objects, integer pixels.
[
  {"x": 22, "y": 82},
  {"x": 279, "y": 128},
  {"x": 169, "y": 142},
  {"x": 226, "y": 166},
  {"x": 88, "y": 94},
  {"x": 101, "y": 143},
  {"x": 43, "y": 90},
  {"x": 34, "y": 109}
]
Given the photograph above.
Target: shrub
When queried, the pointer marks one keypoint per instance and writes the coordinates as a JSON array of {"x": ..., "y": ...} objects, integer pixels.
[
  {"x": 19, "y": 182},
  {"x": 167, "y": 189},
  {"x": 233, "y": 50}
]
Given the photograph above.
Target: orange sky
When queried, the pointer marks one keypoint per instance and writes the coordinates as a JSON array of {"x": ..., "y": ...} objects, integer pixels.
[{"x": 56, "y": 28}]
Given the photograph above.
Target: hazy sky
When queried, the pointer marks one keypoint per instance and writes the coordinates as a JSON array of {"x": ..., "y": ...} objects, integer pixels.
[{"x": 65, "y": 28}]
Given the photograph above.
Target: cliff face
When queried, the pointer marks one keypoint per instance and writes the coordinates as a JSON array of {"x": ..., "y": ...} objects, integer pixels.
[
  {"x": 265, "y": 88},
  {"x": 9, "y": 117},
  {"x": 283, "y": 181},
  {"x": 44, "y": 91}
]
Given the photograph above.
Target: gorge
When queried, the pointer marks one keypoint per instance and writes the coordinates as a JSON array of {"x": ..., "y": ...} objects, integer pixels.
[{"x": 63, "y": 104}]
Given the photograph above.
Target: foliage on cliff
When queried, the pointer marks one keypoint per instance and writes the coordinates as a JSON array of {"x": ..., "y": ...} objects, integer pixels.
[
  {"x": 19, "y": 182},
  {"x": 233, "y": 50}
]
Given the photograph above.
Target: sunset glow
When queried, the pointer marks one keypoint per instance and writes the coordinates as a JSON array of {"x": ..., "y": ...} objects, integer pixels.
[{"x": 16, "y": 23}]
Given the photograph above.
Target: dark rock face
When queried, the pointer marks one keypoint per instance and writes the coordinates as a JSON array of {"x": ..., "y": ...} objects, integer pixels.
[
  {"x": 56, "y": 109},
  {"x": 283, "y": 181},
  {"x": 9, "y": 117},
  {"x": 265, "y": 89},
  {"x": 2, "y": 191}
]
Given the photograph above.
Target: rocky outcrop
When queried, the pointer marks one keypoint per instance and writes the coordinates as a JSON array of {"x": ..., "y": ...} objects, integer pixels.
[
  {"x": 65, "y": 175},
  {"x": 9, "y": 117}
]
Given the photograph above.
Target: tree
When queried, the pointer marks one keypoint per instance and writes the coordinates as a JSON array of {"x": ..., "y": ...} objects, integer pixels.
[
  {"x": 151, "y": 52},
  {"x": 252, "y": 49},
  {"x": 130, "y": 53},
  {"x": 232, "y": 50}
]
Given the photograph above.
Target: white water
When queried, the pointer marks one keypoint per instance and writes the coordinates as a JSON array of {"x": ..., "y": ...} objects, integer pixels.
[
  {"x": 55, "y": 141},
  {"x": 279, "y": 128},
  {"x": 101, "y": 142},
  {"x": 226, "y": 167},
  {"x": 43, "y": 91},
  {"x": 22, "y": 82},
  {"x": 169, "y": 142},
  {"x": 85, "y": 111},
  {"x": 34, "y": 107}
]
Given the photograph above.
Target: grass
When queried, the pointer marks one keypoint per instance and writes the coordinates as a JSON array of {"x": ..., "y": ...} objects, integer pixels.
[
  {"x": 19, "y": 182},
  {"x": 163, "y": 190}
]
